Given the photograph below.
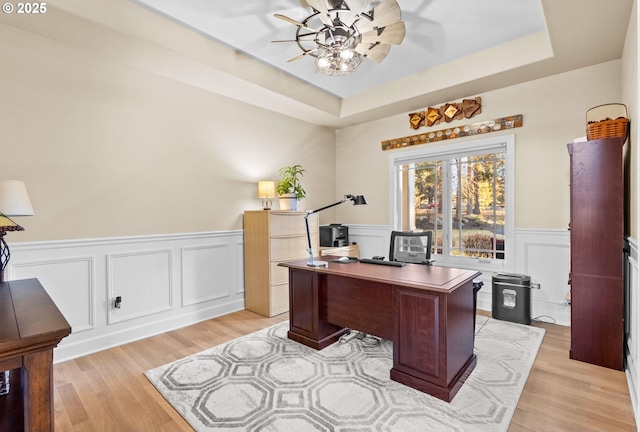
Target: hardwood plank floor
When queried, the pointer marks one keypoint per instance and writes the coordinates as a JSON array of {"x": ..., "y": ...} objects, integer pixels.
[{"x": 107, "y": 391}]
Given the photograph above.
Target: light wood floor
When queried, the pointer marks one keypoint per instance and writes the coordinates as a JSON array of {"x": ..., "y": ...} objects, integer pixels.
[{"x": 107, "y": 391}]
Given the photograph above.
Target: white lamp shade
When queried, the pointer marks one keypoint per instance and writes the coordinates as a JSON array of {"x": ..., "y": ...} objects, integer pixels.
[
  {"x": 266, "y": 189},
  {"x": 14, "y": 200}
]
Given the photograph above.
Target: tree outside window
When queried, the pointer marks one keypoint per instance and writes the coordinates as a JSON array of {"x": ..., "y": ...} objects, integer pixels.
[{"x": 460, "y": 197}]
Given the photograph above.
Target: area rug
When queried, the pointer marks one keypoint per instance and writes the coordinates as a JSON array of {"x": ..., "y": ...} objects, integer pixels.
[{"x": 266, "y": 382}]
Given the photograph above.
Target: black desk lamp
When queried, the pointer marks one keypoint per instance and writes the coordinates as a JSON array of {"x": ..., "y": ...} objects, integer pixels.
[{"x": 357, "y": 200}]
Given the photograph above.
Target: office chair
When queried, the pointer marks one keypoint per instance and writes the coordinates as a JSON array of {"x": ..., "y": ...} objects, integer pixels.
[{"x": 411, "y": 247}]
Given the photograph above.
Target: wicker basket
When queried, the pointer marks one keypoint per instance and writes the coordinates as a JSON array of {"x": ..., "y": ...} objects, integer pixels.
[
  {"x": 618, "y": 128},
  {"x": 600, "y": 124}
]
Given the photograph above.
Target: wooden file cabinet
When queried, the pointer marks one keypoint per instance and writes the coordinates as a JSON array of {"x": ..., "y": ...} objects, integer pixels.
[{"x": 272, "y": 237}]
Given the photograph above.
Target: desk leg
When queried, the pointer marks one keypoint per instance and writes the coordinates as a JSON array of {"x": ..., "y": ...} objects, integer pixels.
[
  {"x": 37, "y": 385},
  {"x": 306, "y": 318}
]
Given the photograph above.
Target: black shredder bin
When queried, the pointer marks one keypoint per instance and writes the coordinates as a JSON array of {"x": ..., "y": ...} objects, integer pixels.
[{"x": 511, "y": 298}]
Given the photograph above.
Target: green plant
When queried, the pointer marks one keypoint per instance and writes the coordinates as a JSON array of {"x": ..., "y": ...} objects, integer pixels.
[{"x": 289, "y": 182}]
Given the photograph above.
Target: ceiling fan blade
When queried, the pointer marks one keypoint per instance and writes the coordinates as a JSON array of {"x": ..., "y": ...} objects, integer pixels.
[
  {"x": 386, "y": 13},
  {"x": 300, "y": 37},
  {"x": 294, "y": 22},
  {"x": 392, "y": 34},
  {"x": 376, "y": 52},
  {"x": 321, "y": 7},
  {"x": 356, "y": 7},
  {"x": 302, "y": 55}
]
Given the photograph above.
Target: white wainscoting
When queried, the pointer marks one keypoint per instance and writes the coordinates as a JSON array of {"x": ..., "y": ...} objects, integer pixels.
[
  {"x": 372, "y": 240},
  {"x": 542, "y": 254},
  {"x": 165, "y": 282},
  {"x": 632, "y": 326},
  {"x": 546, "y": 257},
  {"x": 171, "y": 281}
]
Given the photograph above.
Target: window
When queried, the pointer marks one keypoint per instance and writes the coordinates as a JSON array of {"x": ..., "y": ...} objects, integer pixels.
[{"x": 463, "y": 193}]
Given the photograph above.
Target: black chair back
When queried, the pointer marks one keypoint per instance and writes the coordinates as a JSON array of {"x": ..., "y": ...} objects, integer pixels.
[{"x": 410, "y": 246}]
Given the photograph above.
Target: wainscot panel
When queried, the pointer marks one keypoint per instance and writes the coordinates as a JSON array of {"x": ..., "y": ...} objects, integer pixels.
[
  {"x": 545, "y": 256},
  {"x": 372, "y": 240},
  {"x": 165, "y": 282},
  {"x": 71, "y": 277},
  {"x": 207, "y": 273},
  {"x": 141, "y": 281}
]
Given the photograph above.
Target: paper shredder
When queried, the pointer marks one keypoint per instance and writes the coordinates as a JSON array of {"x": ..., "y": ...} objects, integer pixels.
[{"x": 511, "y": 297}]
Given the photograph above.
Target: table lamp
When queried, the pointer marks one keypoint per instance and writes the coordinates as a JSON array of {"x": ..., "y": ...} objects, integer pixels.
[
  {"x": 357, "y": 200},
  {"x": 14, "y": 201},
  {"x": 266, "y": 191}
]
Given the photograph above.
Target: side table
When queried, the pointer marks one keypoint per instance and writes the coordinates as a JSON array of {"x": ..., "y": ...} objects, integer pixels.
[{"x": 30, "y": 327}]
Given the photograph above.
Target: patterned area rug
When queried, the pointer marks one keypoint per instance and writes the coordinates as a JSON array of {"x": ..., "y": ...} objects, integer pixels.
[{"x": 266, "y": 382}]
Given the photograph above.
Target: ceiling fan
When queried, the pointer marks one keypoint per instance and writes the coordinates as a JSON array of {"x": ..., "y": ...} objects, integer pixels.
[{"x": 341, "y": 33}]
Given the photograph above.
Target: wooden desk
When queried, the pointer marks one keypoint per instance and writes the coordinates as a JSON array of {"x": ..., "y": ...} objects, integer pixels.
[
  {"x": 30, "y": 327},
  {"x": 427, "y": 311}
]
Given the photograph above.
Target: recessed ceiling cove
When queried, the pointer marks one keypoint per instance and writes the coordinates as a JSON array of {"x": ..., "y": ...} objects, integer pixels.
[{"x": 428, "y": 33}]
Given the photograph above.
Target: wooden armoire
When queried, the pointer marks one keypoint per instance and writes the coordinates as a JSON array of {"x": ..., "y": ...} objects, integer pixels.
[{"x": 597, "y": 241}]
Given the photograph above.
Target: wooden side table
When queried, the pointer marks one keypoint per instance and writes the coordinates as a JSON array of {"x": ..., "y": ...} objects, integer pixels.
[{"x": 30, "y": 327}]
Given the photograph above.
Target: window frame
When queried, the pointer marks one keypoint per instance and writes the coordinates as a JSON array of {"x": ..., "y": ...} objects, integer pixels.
[{"x": 504, "y": 143}]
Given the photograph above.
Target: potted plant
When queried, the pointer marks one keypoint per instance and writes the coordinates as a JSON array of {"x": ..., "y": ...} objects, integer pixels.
[{"x": 289, "y": 188}]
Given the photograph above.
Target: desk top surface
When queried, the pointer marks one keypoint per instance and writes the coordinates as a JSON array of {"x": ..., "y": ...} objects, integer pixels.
[
  {"x": 28, "y": 318},
  {"x": 433, "y": 278}
]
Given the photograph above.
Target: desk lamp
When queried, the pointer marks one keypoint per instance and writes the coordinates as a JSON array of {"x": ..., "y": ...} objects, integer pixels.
[
  {"x": 14, "y": 201},
  {"x": 266, "y": 191},
  {"x": 357, "y": 200}
]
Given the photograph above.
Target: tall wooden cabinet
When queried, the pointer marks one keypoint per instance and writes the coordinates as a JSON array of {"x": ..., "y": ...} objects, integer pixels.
[
  {"x": 271, "y": 237},
  {"x": 597, "y": 237}
]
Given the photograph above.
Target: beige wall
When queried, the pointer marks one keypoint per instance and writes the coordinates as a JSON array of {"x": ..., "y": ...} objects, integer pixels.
[
  {"x": 107, "y": 149},
  {"x": 553, "y": 110},
  {"x": 630, "y": 98},
  {"x": 110, "y": 142}
]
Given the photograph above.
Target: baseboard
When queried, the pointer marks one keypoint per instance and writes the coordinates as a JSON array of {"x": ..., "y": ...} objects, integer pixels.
[{"x": 70, "y": 351}]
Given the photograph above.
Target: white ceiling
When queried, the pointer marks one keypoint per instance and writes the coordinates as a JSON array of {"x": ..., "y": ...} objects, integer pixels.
[
  {"x": 438, "y": 31},
  {"x": 452, "y": 50}
]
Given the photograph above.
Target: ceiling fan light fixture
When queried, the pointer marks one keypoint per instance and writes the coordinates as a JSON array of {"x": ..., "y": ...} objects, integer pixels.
[
  {"x": 337, "y": 60},
  {"x": 346, "y": 54},
  {"x": 346, "y": 34}
]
